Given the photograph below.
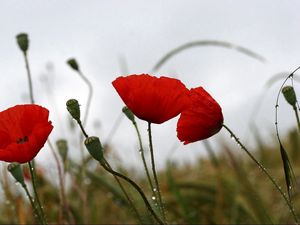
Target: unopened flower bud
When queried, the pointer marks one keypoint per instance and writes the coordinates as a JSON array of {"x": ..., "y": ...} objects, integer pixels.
[
  {"x": 128, "y": 113},
  {"x": 73, "y": 108},
  {"x": 22, "y": 40},
  {"x": 94, "y": 147},
  {"x": 62, "y": 149},
  {"x": 73, "y": 64},
  {"x": 289, "y": 95},
  {"x": 16, "y": 172}
]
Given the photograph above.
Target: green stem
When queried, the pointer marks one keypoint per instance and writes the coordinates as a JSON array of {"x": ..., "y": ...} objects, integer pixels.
[
  {"x": 297, "y": 116},
  {"x": 154, "y": 173},
  {"x": 126, "y": 194},
  {"x": 29, "y": 78},
  {"x": 33, "y": 179},
  {"x": 143, "y": 157},
  {"x": 32, "y": 203},
  {"x": 82, "y": 129},
  {"x": 278, "y": 188},
  {"x": 137, "y": 188}
]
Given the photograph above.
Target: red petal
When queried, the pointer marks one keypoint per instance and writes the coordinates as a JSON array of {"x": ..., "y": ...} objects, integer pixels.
[
  {"x": 202, "y": 119},
  {"x": 18, "y": 122},
  {"x": 153, "y": 99}
]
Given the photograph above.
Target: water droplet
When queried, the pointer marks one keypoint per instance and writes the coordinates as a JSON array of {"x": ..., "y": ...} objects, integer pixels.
[
  {"x": 153, "y": 198},
  {"x": 154, "y": 189}
]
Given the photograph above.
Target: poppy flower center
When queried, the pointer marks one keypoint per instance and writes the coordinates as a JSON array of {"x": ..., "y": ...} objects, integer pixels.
[{"x": 22, "y": 140}]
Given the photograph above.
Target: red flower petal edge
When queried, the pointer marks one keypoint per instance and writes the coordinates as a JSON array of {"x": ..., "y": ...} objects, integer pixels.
[
  {"x": 24, "y": 129},
  {"x": 201, "y": 119},
  {"x": 153, "y": 99}
]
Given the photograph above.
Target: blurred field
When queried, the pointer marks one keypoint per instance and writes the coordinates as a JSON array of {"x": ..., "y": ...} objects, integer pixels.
[{"x": 226, "y": 188}]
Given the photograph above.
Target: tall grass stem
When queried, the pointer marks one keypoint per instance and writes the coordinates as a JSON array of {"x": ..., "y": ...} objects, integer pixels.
[{"x": 278, "y": 188}]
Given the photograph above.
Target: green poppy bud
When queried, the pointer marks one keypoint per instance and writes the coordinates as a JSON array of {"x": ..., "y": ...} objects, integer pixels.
[
  {"x": 73, "y": 64},
  {"x": 128, "y": 113},
  {"x": 73, "y": 108},
  {"x": 94, "y": 147},
  {"x": 22, "y": 40},
  {"x": 289, "y": 95},
  {"x": 62, "y": 149},
  {"x": 16, "y": 172}
]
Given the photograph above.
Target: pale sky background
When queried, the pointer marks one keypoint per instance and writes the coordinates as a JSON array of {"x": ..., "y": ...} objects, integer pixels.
[{"x": 101, "y": 34}]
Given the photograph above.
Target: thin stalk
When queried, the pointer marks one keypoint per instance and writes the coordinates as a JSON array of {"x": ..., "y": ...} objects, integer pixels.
[
  {"x": 82, "y": 129},
  {"x": 297, "y": 116},
  {"x": 278, "y": 188},
  {"x": 154, "y": 173},
  {"x": 33, "y": 179},
  {"x": 125, "y": 193},
  {"x": 143, "y": 157},
  {"x": 29, "y": 78},
  {"x": 32, "y": 203},
  {"x": 103, "y": 164},
  {"x": 31, "y": 164}
]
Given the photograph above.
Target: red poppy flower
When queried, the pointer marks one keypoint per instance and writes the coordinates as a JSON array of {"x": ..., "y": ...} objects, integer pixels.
[
  {"x": 201, "y": 119},
  {"x": 153, "y": 99},
  {"x": 24, "y": 129}
]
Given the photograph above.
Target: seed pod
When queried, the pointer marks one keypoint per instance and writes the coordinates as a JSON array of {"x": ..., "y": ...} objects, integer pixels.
[
  {"x": 94, "y": 147},
  {"x": 289, "y": 95},
  {"x": 128, "y": 113},
  {"x": 73, "y": 64},
  {"x": 23, "y": 42},
  {"x": 16, "y": 172},
  {"x": 73, "y": 108}
]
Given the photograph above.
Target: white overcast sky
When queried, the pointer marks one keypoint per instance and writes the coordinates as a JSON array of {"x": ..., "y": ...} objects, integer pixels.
[{"x": 101, "y": 34}]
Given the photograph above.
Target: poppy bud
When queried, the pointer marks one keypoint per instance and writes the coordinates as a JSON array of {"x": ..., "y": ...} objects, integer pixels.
[
  {"x": 128, "y": 113},
  {"x": 22, "y": 40},
  {"x": 16, "y": 172},
  {"x": 73, "y": 64},
  {"x": 94, "y": 147},
  {"x": 62, "y": 148},
  {"x": 289, "y": 95},
  {"x": 73, "y": 108}
]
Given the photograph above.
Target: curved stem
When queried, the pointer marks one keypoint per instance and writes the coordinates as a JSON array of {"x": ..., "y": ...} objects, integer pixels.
[
  {"x": 154, "y": 173},
  {"x": 137, "y": 188},
  {"x": 278, "y": 188},
  {"x": 82, "y": 129},
  {"x": 143, "y": 157},
  {"x": 32, "y": 203},
  {"x": 33, "y": 179},
  {"x": 126, "y": 194}
]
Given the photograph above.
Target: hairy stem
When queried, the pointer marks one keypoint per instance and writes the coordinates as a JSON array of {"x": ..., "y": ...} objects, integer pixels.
[
  {"x": 278, "y": 188},
  {"x": 154, "y": 173}
]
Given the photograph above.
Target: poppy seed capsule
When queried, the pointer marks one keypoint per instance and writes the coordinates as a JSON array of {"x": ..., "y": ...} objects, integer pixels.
[
  {"x": 94, "y": 147},
  {"x": 289, "y": 95},
  {"x": 22, "y": 40},
  {"x": 73, "y": 64},
  {"x": 16, "y": 172},
  {"x": 62, "y": 148},
  {"x": 73, "y": 108},
  {"x": 128, "y": 113}
]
